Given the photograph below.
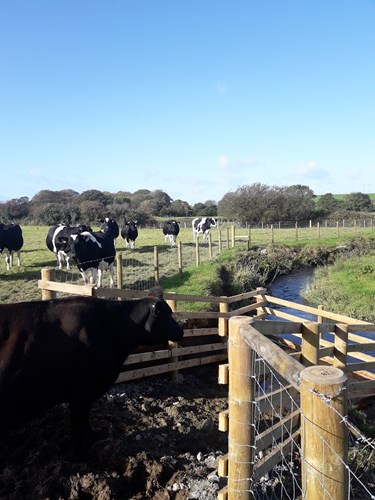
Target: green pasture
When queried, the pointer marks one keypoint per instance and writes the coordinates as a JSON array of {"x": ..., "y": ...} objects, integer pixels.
[{"x": 138, "y": 265}]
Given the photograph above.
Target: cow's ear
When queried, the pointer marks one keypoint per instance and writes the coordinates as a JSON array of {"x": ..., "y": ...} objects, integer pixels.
[{"x": 156, "y": 293}]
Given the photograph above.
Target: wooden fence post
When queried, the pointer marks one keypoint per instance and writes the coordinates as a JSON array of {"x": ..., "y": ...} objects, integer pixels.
[
  {"x": 241, "y": 434},
  {"x": 318, "y": 228},
  {"x": 210, "y": 245},
  {"x": 324, "y": 433},
  {"x": 227, "y": 235},
  {"x": 48, "y": 274},
  {"x": 173, "y": 345},
  {"x": 179, "y": 252},
  {"x": 119, "y": 270},
  {"x": 197, "y": 259},
  {"x": 156, "y": 265},
  {"x": 233, "y": 238},
  {"x": 296, "y": 226},
  {"x": 272, "y": 235},
  {"x": 223, "y": 322},
  {"x": 310, "y": 343},
  {"x": 340, "y": 353},
  {"x": 220, "y": 242}
]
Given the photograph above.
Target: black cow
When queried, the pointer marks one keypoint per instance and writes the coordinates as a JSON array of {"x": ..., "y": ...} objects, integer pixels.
[
  {"x": 129, "y": 232},
  {"x": 11, "y": 240},
  {"x": 95, "y": 252},
  {"x": 171, "y": 228},
  {"x": 202, "y": 226},
  {"x": 56, "y": 240},
  {"x": 110, "y": 226},
  {"x": 71, "y": 350}
]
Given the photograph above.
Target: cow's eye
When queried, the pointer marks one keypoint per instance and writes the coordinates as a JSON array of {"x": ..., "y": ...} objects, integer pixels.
[{"x": 155, "y": 309}]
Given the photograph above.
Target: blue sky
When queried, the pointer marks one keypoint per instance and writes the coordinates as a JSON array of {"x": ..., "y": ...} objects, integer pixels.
[{"x": 193, "y": 97}]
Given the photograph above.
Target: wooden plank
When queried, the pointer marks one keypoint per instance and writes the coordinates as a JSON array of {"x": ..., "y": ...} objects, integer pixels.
[
  {"x": 278, "y": 397},
  {"x": 361, "y": 389},
  {"x": 272, "y": 434},
  {"x": 287, "y": 366},
  {"x": 245, "y": 309},
  {"x": 365, "y": 365},
  {"x": 280, "y": 314},
  {"x": 147, "y": 356},
  {"x": 266, "y": 464},
  {"x": 222, "y": 469},
  {"x": 368, "y": 346},
  {"x": 198, "y": 332},
  {"x": 223, "y": 493},
  {"x": 199, "y": 315},
  {"x": 224, "y": 421},
  {"x": 86, "y": 290},
  {"x": 275, "y": 327},
  {"x": 168, "y": 353},
  {"x": 245, "y": 295},
  {"x": 167, "y": 367},
  {"x": 314, "y": 310},
  {"x": 223, "y": 374}
]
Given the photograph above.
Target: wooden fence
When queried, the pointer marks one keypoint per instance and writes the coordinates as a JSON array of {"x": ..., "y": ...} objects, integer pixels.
[
  {"x": 332, "y": 338},
  {"x": 205, "y": 332},
  {"x": 321, "y": 431}
]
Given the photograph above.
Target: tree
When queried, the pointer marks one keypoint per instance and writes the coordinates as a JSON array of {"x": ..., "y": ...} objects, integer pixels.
[
  {"x": 177, "y": 208},
  {"x": 327, "y": 204},
  {"x": 358, "y": 202},
  {"x": 95, "y": 195},
  {"x": 92, "y": 211}
]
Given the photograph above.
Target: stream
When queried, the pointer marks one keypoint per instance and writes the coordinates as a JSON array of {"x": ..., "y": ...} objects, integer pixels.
[{"x": 290, "y": 286}]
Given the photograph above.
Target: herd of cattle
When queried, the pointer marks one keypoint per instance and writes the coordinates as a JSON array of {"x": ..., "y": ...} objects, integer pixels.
[{"x": 92, "y": 251}]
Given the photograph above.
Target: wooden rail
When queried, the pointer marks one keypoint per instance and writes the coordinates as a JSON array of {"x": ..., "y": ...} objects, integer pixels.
[{"x": 331, "y": 338}]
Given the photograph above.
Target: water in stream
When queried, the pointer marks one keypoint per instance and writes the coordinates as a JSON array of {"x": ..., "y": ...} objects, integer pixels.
[{"x": 290, "y": 286}]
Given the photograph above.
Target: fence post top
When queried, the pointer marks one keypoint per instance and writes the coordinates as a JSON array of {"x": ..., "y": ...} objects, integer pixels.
[{"x": 323, "y": 375}]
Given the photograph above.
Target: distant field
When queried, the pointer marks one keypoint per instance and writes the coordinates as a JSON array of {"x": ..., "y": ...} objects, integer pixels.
[{"x": 342, "y": 196}]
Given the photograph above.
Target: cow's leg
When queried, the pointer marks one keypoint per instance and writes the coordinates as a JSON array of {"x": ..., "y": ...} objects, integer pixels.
[
  {"x": 82, "y": 433},
  {"x": 111, "y": 275},
  {"x": 8, "y": 260},
  {"x": 60, "y": 259},
  {"x": 19, "y": 258},
  {"x": 98, "y": 273}
]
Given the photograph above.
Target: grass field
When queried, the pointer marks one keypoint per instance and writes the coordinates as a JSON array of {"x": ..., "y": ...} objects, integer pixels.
[{"x": 139, "y": 264}]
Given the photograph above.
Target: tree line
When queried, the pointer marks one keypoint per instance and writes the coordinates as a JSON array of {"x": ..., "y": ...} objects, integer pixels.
[{"x": 249, "y": 204}]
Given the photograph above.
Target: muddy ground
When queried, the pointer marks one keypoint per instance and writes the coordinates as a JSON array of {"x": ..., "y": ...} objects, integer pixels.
[{"x": 157, "y": 439}]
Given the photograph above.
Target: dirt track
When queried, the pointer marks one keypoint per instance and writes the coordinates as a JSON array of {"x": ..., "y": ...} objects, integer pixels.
[{"x": 157, "y": 439}]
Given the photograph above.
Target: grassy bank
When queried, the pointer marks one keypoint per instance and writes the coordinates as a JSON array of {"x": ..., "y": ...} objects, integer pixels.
[{"x": 346, "y": 287}]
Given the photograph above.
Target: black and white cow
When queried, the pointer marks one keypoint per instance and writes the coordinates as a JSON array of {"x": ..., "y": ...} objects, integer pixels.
[
  {"x": 171, "y": 228},
  {"x": 129, "y": 232},
  {"x": 56, "y": 240},
  {"x": 71, "y": 350},
  {"x": 202, "y": 225},
  {"x": 109, "y": 225},
  {"x": 11, "y": 240},
  {"x": 93, "y": 252}
]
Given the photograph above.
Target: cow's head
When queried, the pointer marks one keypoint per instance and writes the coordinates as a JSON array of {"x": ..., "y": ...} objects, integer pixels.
[
  {"x": 155, "y": 317},
  {"x": 109, "y": 226}
]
